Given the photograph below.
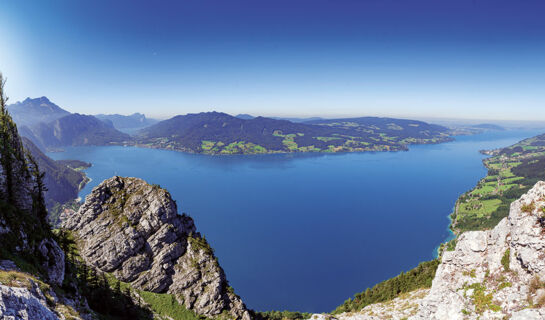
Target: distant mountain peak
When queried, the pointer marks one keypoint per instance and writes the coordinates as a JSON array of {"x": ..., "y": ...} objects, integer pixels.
[
  {"x": 30, "y": 100},
  {"x": 244, "y": 116},
  {"x": 136, "y": 120},
  {"x": 32, "y": 111}
]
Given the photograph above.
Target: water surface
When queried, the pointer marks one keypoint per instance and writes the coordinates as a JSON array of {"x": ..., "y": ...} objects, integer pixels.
[{"x": 305, "y": 232}]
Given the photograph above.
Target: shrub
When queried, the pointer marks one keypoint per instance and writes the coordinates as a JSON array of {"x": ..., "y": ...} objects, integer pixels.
[
  {"x": 505, "y": 260},
  {"x": 528, "y": 208}
]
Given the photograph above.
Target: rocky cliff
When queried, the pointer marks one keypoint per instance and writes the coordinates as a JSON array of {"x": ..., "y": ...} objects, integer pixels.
[
  {"x": 132, "y": 230},
  {"x": 496, "y": 273}
]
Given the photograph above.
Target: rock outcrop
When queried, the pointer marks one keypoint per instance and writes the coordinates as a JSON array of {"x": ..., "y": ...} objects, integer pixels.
[
  {"x": 25, "y": 297},
  {"x": 132, "y": 229},
  {"x": 24, "y": 303},
  {"x": 495, "y": 274},
  {"x": 52, "y": 258}
]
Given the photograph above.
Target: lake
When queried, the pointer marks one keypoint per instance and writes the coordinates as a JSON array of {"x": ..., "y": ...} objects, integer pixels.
[{"x": 305, "y": 232}]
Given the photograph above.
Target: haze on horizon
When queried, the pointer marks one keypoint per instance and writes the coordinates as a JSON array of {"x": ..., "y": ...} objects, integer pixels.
[{"x": 417, "y": 59}]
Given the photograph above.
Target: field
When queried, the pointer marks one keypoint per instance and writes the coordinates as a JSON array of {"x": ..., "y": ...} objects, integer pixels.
[{"x": 511, "y": 172}]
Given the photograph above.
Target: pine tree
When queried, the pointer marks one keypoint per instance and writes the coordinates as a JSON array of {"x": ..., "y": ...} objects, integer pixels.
[
  {"x": 127, "y": 292},
  {"x": 38, "y": 190},
  {"x": 93, "y": 279},
  {"x": 117, "y": 288}
]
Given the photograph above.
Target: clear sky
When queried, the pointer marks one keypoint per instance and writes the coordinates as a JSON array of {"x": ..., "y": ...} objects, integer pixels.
[{"x": 467, "y": 59}]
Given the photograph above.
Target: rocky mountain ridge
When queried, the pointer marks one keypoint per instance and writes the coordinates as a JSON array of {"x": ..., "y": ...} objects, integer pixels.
[
  {"x": 132, "y": 230},
  {"x": 74, "y": 130}
]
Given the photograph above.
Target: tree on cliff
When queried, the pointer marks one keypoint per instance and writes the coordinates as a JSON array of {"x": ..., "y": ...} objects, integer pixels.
[{"x": 21, "y": 181}]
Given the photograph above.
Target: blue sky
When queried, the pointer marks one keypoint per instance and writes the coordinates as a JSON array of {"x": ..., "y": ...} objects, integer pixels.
[{"x": 455, "y": 59}]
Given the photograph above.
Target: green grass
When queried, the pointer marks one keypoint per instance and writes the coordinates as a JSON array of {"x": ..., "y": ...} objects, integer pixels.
[
  {"x": 166, "y": 305},
  {"x": 481, "y": 299},
  {"x": 207, "y": 145},
  {"x": 327, "y": 139}
]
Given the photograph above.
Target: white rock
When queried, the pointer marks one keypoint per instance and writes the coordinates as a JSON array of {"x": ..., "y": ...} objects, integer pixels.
[
  {"x": 476, "y": 261},
  {"x": 24, "y": 304}
]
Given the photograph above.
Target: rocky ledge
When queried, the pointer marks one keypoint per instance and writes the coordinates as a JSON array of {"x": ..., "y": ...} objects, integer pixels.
[
  {"x": 494, "y": 274},
  {"x": 132, "y": 230}
]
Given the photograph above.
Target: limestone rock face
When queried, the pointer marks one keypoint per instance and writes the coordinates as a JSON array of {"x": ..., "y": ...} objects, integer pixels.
[
  {"x": 53, "y": 260},
  {"x": 24, "y": 304},
  {"x": 24, "y": 297},
  {"x": 496, "y": 273},
  {"x": 132, "y": 229}
]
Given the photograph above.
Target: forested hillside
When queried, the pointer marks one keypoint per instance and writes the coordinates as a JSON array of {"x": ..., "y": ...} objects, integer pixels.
[
  {"x": 63, "y": 179},
  {"x": 220, "y": 133}
]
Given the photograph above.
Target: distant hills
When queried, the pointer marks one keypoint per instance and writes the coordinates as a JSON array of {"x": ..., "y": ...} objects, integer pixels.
[
  {"x": 121, "y": 122},
  {"x": 488, "y": 126},
  {"x": 50, "y": 127},
  {"x": 220, "y": 133},
  {"x": 246, "y": 116},
  {"x": 470, "y": 129}
]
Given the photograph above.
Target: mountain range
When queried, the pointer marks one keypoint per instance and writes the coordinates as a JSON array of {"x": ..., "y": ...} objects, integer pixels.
[
  {"x": 51, "y": 127},
  {"x": 74, "y": 130}
]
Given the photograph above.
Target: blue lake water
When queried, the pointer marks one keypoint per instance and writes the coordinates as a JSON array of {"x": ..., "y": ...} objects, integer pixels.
[{"x": 305, "y": 232}]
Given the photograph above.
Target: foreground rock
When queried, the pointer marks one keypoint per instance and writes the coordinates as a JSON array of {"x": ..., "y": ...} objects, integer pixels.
[
  {"x": 24, "y": 303},
  {"x": 495, "y": 274},
  {"x": 132, "y": 229},
  {"x": 25, "y": 297}
]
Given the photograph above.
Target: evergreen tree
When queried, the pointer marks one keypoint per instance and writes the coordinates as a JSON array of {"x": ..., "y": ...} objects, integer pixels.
[
  {"x": 93, "y": 279},
  {"x": 38, "y": 190}
]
